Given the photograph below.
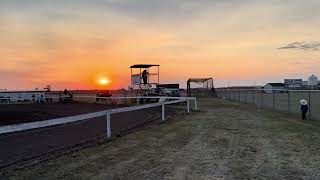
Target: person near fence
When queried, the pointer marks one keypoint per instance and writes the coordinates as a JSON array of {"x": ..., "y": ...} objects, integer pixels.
[{"x": 304, "y": 108}]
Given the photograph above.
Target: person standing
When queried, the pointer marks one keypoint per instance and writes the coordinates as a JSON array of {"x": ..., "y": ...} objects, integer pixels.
[
  {"x": 33, "y": 98},
  {"x": 145, "y": 77},
  {"x": 304, "y": 108}
]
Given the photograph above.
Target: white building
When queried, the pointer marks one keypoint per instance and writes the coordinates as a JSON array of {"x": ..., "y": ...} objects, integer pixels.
[
  {"x": 293, "y": 83},
  {"x": 313, "y": 80},
  {"x": 21, "y": 96}
]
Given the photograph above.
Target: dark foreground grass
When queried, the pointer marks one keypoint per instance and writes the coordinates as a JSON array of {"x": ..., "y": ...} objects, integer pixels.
[{"x": 223, "y": 141}]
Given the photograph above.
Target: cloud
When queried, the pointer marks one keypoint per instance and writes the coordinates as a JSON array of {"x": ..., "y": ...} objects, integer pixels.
[
  {"x": 167, "y": 10},
  {"x": 313, "y": 46}
]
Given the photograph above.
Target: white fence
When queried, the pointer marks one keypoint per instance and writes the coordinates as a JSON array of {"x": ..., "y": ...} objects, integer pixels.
[{"x": 107, "y": 113}]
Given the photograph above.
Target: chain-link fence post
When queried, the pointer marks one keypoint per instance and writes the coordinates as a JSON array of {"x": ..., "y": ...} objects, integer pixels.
[
  {"x": 262, "y": 106},
  {"x": 234, "y": 94},
  {"x": 289, "y": 101},
  {"x": 309, "y": 94},
  {"x": 273, "y": 100},
  {"x": 253, "y": 98},
  {"x": 246, "y": 97}
]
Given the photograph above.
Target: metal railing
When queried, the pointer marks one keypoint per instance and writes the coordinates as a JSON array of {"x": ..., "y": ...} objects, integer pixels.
[
  {"x": 282, "y": 100},
  {"x": 107, "y": 113}
]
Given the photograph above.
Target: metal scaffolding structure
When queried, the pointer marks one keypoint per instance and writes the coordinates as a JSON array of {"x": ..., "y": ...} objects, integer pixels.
[{"x": 200, "y": 87}]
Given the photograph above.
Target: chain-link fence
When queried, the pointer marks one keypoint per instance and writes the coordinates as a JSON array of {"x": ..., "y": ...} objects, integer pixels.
[{"x": 276, "y": 100}]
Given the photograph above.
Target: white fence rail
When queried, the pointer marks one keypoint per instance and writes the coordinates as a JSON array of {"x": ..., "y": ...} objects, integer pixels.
[{"x": 107, "y": 113}]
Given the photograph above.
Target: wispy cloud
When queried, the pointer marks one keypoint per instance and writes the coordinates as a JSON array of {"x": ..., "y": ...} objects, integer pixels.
[{"x": 313, "y": 46}]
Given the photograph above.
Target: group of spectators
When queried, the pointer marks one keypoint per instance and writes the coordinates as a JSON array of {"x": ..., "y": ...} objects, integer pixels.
[{"x": 65, "y": 96}]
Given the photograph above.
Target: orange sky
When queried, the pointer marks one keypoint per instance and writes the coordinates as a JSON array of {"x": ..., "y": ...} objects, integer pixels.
[{"x": 72, "y": 44}]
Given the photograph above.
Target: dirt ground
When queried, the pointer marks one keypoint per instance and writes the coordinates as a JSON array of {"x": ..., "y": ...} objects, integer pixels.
[
  {"x": 28, "y": 145},
  {"x": 22, "y": 113},
  {"x": 223, "y": 141}
]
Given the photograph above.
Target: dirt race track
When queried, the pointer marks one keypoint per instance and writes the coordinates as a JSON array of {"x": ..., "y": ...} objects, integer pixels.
[
  {"x": 22, "y": 113},
  {"x": 25, "y": 146},
  {"x": 223, "y": 141}
]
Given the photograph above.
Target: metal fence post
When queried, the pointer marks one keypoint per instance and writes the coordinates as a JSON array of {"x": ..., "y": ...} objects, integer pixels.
[
  {"x": 273, "y": 100},
  {"x": 310, "y": 105},
  {"x": 195, "y": 104},
  {"x": 253, "y": 97},
  {"x": 188, "y": 106},
  {"x": 108, "y": 125},
  {"x": 163, "y": 113},
  {"x": 262, "y": 100},
  {"x": 232, "y": 96},
  {"x": 232, "y": 91},
  {"x": 239, "y": 95},
  {"x": 246, "y": 97},
  {"x": 289, "y": 100}
]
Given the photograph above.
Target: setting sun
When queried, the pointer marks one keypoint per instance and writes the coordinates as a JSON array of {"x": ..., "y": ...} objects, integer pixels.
[{"x": 103, "y": 81}]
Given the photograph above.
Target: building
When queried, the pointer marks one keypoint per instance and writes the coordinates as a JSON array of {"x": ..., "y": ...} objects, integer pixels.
[
  {"x": 274, "y": 87},
  {"x": 293, "y": 83},
  {"x": 313, "y": 82},
  {"x": 21, "y": 96},
  {"x": 304, "y": 83}
]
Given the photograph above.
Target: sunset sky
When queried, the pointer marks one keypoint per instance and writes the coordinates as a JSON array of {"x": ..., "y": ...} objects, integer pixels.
[{"x": 74, "y": 43}]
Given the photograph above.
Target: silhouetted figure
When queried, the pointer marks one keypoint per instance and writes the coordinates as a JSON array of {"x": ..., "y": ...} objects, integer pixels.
[
  {"x": 60, "y": 97},
  {"x": 71, "y": 96},
  {"x": 33, "y": 98},
  {"x": 65, "y": 92},
  {"x": 145, "y": 77},
  {"x": 42, "y": 100},
  {"x": 304, "y": 109}
]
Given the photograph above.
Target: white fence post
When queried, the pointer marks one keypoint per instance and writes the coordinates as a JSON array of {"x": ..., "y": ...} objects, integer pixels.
[
  {"x": 108, "y": 125},
  {"x": 188, "y": 106},
  {"x": 163, "y": 113}
]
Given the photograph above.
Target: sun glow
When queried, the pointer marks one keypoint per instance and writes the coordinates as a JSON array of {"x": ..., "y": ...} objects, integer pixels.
[{"x": 103, "y": 81}]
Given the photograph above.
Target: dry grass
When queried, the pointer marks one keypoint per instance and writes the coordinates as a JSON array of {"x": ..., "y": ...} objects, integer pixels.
[{"x": 223, "y": 141}]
